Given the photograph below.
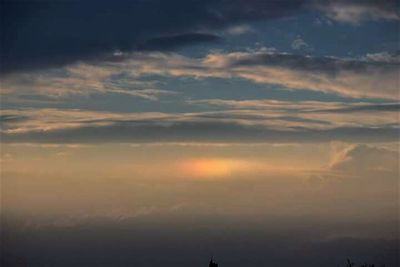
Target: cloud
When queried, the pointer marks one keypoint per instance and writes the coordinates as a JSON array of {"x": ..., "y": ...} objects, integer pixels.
[
  {"x": 175, "y": 41},
  {"x": 41, "y": 34},
  {"x": 120, "y": 74},
  {"x": 149, "y": 94},
  {"x": 239, "y": 30},
  {"x": 350, "y": 77},
  {"x": 325, "y": 65},
  {"x": 300, "y": 44},
  {"x": 275, "y": 207},
  {"x": 312, "y": 114},
  {"x": 361, "y": 159},
  {"x": 80, "y": 79},
  {"x": 244, "y": 126},
  {"x": 299, "y": 106},
  {"x": 357, "y": 11},
  {"x": 369, "y": 169},
  {"x": 383, "y": 57}
]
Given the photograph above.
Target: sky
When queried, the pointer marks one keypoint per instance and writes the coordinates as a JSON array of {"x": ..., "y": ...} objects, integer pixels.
[{"x": 161, "y": 133}]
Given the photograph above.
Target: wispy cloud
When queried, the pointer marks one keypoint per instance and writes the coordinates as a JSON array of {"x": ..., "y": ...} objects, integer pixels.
[
  {"x": 375, "y": 78},
  {"x": 355, "y": 164},
  {"x": 274, "y": 123},
  {"x": 348, "y": 77}
]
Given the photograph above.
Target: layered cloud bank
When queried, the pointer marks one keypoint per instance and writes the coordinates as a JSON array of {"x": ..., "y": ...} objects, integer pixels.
[
  {"x": 141, "y": 25},
  {"x": 374, "y": 76},
  {"x": 242, "y": 121}
]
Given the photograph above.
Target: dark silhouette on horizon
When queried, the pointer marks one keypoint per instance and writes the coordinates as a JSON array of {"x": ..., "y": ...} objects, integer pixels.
[{"x": 212, "y": 263}]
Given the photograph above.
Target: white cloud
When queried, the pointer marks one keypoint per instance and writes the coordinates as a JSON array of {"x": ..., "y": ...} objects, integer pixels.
[{"x": 384, "y": 57}]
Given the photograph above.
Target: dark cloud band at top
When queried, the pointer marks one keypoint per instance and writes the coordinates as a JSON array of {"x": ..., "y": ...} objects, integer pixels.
[{"x": 39, "y": 34}]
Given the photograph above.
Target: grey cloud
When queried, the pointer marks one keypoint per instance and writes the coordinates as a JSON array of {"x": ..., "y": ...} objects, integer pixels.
[
  {"x": 349, "y": 77},
  {"x": 300, "y": 44},
  {"x": 11, "y": 118},
  {"x": 42, "y": 34},
  {"x": 364, "y": 107},
  {"x": 357, "y": 11},
  {"x": 384, "y": 56},
  {"x": 259, "y": 117},
  {"x": 198, "y": 131},
  {"x": 300, "y": 106},
  {"x": 325, "y": 65},
  {"x": 269, "y": 121},
  {"x": 175, "y": 41}
]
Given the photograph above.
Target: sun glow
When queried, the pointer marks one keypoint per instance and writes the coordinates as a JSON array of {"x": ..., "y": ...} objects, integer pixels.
[{"x": 211, "y": 167}]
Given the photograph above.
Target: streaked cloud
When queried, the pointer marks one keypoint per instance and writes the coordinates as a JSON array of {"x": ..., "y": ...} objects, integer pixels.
[
  {"x": 306, "y": 122},
  {"x": 347, "y": 77}
]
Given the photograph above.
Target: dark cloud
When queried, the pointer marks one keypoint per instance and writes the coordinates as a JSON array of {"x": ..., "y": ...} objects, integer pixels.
[
  {"x": 362, "y": 108},
  {"x": 37, "y": 34},
  {"x": 260, "y": 117},
  {"x": 324, "y": 65},
  {"x": 198, "y": 131},
  {"x": 356, "y": 11},
  {"x": 176, "y": 41},
  {"x": 50, "y": 33},
  {"x": 7, "y": 118}
]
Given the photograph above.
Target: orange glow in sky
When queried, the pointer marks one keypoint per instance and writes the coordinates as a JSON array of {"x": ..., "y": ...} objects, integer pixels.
[{"x": 210, "y": 167}]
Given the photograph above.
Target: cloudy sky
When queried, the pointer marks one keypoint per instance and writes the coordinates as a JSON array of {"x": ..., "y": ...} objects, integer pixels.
[{"x": 159, "y": 133}]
